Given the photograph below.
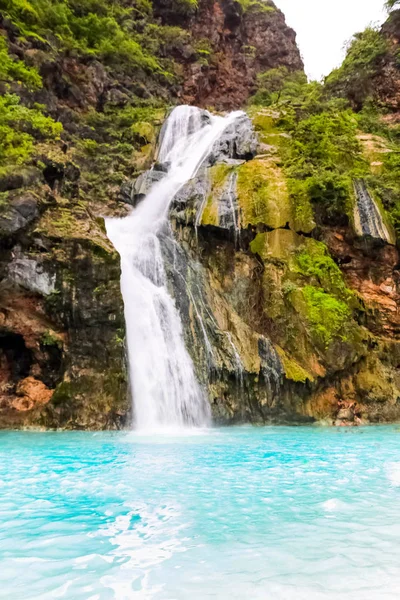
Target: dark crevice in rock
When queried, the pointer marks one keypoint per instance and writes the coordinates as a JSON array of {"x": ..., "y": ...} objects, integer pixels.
[
  {"x": 17, "y": 359},
  {"x": 53, "y": 174}
]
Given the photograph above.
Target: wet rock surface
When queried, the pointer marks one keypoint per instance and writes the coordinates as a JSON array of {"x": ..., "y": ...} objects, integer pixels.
[
  {"x": 21, "y": 211},
  {"x": 245, "y": 301}
]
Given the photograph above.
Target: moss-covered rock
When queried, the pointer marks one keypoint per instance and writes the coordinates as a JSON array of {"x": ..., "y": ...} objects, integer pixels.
[{"x": 262, "y": 195}]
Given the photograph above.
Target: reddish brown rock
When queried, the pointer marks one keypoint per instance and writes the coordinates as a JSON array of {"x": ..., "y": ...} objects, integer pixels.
[
  {"x": 243, "y": 44},
  {"x": 31, "y": 392},
  {"x": 370, "y": 269}
]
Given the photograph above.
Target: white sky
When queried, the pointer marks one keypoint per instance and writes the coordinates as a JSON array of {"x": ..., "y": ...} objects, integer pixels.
[{"x": 324, "y": 26}]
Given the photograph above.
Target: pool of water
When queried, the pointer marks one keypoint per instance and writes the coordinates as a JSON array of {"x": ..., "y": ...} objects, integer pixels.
[{"x": 247, "y": 513}]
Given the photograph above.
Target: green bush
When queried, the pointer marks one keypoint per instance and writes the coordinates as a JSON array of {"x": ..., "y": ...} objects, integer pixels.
[
  {"x": 322, "y": 154},
  {"x": 324, "y": 141},
  {"x": 386, "y": 186},
  {"x": 354, "y": 79},
  {"x": 16, "y": 70},
  {"x": 104, "y": 29},
  {"x": 180, "y": 8},
  {"x": 256, "y": 6},
  {"x": 19, "y": 128},
  {"x": 277, "y": 85}
]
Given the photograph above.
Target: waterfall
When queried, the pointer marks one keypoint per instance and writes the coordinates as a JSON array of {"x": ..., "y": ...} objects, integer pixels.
[
  {"x": 164, "y": 388},
  {"x": 367, "y": 216}
]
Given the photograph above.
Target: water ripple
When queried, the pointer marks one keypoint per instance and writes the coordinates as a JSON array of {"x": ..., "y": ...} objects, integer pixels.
[{"x": 265, "y": 513}]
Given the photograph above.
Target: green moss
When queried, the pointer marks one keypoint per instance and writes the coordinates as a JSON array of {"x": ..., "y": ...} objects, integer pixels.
[
  {"x": 307, "y": 291},
  {"x": 49, "y": 338},
  {"x": 302, "y": 214},
  {"x": 75, "y": 223},
  {"x": 120, "y": 338},
  {"x": 100, "y": 394},
  {"x": 307, "y": 261},
  {"x": 293, "y": 370},
  {"x": 210, "y": 212},
  {"x": 314, "y": 262},
  {"x": 325, "y": 314},
  {"x": 265, "y": 124},
  {"x": 143, "y": 132},
  {"x": 219, "y": 177},
  {"x": 262, "y": 194},
  {"x": 260, "y": 6},
  {"x": 203, "y": 50},
  {"x": 279, "y": 245},
  {"x": 257, "y": 246},
  {"x": 263, "y": 120},
  {"x": 250, "y": 51}
]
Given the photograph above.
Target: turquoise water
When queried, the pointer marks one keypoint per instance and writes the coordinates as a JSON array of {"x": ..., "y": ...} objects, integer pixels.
[{"x": 268, "y": 513}]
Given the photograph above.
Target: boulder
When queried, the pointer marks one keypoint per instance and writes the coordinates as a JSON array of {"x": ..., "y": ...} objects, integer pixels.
[
  {"x": 239, "y": 141},
  {"x": 21, "y": 211},
  {"x": 30, "y": 274},
  {"x": 31, "y": 392},
  {"x": 19, "y": 178}
]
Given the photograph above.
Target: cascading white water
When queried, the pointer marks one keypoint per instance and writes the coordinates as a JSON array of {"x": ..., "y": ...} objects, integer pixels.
[
  {"x": 164, "y": 386},
  {"x": 367, "y": 216}
]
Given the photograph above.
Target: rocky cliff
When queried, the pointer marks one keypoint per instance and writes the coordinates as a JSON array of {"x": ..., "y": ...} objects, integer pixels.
[
  {"x": 290, "y": 317},
  {"x": 285, "y": 260}
]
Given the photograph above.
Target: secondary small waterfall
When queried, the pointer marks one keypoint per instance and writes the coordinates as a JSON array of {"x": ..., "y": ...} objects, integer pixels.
[
  {"x": 164, "y": 387},
  {"x": 367, "y": 216}
]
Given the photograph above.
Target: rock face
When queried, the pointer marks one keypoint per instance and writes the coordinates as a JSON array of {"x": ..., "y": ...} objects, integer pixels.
[
  {"x": 387, "y": 81},
  {"x": 277, "y": 331},
  {"x": 242, "y": 43},
  {"x": 212, "y": 54},
  {"x": 61, "y": 322}
]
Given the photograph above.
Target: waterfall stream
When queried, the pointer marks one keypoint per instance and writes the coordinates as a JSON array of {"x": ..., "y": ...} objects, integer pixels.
[
  {"x": 367, "y": 216},
  {"x": 164, "y": 387}
]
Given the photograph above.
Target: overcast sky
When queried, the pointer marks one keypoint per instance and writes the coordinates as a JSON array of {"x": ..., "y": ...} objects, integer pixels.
[{"x": 324, "y": 26}]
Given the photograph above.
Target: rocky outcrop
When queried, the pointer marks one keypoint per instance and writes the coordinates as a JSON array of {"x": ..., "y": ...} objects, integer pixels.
[
  {"x": 387, "y": 81},
  {"x": 211, "y": 55},
  {"x": 277, "y": 331},
  {"x": 241, "y": 44},
  {"x": 62, "y": 359}
]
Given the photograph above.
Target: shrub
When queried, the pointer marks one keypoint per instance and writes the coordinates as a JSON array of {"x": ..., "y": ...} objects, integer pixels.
[
  {"x": 16, "y": 70},
  {"x": 104, "y": 29},
  {"x": 354, "y": 79},
  {"x": 324, "y": 141},
  {"x": 278, "y": 84},
  {"x": 256, "y": 5},
  {"x": 19, "y": 127}
]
